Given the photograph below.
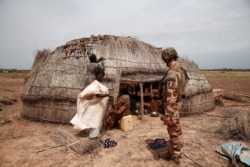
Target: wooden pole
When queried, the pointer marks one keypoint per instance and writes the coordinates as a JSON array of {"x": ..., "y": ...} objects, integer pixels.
[
  {"x": 151, "y": 91},
  {"x": 142, "y": 100}
]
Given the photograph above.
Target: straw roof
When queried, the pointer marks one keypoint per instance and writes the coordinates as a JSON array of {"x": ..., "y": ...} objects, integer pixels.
[{"x": 51, "y": 89}]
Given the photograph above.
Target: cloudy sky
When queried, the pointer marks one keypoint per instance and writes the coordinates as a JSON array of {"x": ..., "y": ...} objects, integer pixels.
[{"x": 212, "y": 33}]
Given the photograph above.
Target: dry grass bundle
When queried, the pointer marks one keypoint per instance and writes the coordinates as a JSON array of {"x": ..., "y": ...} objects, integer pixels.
[
  {"x": 237, "y": 97},
  {"x": 41, "y": 57},
  {"x": 7, "y": 100},
  {"x": 236, "y": 125},
  {"x": 79, "y": 145}
]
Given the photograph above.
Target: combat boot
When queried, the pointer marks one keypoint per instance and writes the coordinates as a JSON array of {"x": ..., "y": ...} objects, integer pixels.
[{"x": 169, "y": 157}]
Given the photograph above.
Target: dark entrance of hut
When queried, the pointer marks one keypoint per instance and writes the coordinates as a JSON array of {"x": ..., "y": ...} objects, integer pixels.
[{"x": 144, "y": 97}]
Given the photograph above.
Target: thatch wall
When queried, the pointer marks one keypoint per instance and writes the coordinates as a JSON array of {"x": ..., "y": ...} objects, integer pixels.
[
  {"x": 198, "y": 92},
  {"x": 52, "y": 87}
]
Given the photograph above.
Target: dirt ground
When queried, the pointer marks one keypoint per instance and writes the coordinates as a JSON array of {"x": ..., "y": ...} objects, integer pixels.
[{"x": 27, "y": 143}]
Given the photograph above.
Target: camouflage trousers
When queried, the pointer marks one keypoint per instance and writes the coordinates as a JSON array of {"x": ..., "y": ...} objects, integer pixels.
[{"x": 175, "y": 135}]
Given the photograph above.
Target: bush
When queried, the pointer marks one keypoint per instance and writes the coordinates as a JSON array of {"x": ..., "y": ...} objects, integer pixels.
[{"x": 237, "y": 125}]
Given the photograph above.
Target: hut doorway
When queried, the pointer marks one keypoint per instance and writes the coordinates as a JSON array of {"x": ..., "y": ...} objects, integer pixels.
[{"x": 142, "y": 94}]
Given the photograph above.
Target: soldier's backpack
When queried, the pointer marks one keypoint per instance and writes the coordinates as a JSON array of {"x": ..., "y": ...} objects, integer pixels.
[{"x": 182, "y": 83}]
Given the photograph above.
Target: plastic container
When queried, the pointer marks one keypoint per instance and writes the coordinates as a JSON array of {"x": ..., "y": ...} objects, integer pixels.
[{"x": 126, "y": 123}]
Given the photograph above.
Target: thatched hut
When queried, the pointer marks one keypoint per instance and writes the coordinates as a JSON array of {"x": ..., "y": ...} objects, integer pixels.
[{"x": 51, "y": 90}]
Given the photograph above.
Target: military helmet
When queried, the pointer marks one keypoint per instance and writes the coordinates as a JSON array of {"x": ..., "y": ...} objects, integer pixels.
[{"x": 169, "y": 53}]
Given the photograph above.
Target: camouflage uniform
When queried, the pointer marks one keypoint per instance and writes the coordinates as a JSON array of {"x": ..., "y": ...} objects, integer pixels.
[{"x": 171, "y": 106}]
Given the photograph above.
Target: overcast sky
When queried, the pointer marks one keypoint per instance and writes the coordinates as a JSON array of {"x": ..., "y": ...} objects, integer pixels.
[{"x": 212, "y": 33}]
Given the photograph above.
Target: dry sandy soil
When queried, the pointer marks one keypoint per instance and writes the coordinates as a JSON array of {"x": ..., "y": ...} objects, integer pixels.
[{"x": 27, "y": 143}]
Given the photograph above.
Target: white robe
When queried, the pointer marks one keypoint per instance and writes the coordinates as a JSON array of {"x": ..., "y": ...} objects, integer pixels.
[{"x": 90, "y": 109}]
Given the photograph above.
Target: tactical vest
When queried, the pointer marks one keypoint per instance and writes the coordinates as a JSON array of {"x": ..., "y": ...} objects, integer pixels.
[{"x": 181, "y": 86}]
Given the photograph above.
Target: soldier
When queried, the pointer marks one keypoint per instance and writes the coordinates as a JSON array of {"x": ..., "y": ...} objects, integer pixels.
[{"x": 171, "y": 103}]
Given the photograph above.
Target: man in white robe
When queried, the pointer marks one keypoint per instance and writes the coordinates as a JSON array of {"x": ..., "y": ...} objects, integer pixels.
[{"x": 91, "y": 106}]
